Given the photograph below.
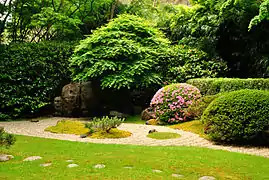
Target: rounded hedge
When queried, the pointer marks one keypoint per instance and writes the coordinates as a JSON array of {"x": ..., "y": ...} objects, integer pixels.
[
  {"x": 238, "y": 117},
  {"x": 170, "y": 101}
]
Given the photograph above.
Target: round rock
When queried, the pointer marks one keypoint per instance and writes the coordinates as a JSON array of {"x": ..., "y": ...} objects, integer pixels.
[
  {"x": 83, "y": 135},
  {"x": 72, "y": 165},
  {"x": 32, "y": 158},
  {"x": 69, "y": 160},
  {"x": 207, "y": 178},
  {"x": 99, "y": 166}
]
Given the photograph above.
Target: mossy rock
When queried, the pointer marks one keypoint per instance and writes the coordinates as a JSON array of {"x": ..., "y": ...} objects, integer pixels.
[{"x": 68, "y": 127}]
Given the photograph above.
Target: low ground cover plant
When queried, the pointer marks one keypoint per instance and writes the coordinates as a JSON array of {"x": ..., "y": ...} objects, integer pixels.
[
  {"x": 238, "y": 117},
  {"x": 170, "y": 101},
  {"x": 105, "y": 127},
  {"x": 163, "y": 135}
]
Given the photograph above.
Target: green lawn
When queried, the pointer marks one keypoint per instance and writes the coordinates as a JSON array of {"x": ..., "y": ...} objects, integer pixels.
[
  {"x": 163, "y": 135},
  {"x": 192, "y": 162}
]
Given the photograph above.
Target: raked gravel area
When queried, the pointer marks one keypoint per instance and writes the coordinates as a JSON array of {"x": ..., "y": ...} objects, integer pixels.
[{"x": 138, "y": 137}]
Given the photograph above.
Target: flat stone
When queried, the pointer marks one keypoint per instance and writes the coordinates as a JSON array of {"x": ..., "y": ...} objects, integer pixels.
[
  {"x": 177, "y": 175},
  {"x": 69, "y": 160},
  {"x": 34, "y": 120},
  {"x": 72, "y": 165},
  {"x": 45, "y": 164},
  {"x": 32, "y": 158},
  {"x": 156, "y": 171},
  {"x": 128, "y": 167},
  {"x": 207, "y": 178},
  {"x": 5, "y": 157},
  {"x": 99, "y": 166}
]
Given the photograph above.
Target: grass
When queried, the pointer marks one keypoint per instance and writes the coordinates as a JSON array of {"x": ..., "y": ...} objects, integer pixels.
[
  {"x": 113, "y": 133},
  {"x": 194, "y": 126},
  {"x": 163, "y": 135},
  {"x": 134, "y": 119},
  {"x": 192, "y": 162},
  {"x": 68, "y": 127}
]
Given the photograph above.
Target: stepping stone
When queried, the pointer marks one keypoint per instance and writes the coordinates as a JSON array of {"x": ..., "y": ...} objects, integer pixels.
[
  {"x": 99, "y": 166},
  {"x": 177, "y": 175},
  {"x": 207, "y": 178},
  {"x": 128, "y": 167},
  {"x": 5, "y": 157},
  {"x": 156, "y": 171},
  {"x": 69, "y": 160},
  {"x": 46, "y": 164},
  {"x": 32, "y": 158},
  {"x": 72, "y": 165}
]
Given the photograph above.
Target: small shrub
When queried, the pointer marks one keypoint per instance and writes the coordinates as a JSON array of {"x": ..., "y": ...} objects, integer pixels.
[
  {"x": 6, "y": 139},
  {"x": 105, "y": 123},
  {"x": 195, "y": 110},
  {"x": 170, "y": 101},
  {"x": 211, "y": 86},
  {"x": 238, "y": 117}
]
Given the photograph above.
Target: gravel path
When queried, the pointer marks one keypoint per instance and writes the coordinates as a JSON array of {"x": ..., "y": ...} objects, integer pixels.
[{"x": 139, "y": 133}]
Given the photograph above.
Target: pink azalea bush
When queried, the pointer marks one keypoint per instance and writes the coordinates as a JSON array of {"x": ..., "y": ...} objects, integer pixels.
[{"x": 170, "y": 102}]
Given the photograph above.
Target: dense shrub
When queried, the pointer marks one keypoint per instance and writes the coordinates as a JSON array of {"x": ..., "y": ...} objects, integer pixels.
[
  {"x": 6, "y": 139},
  {"x": 123, "y": 54},
  {"x": 196, "y": 109},
  {"x": 30, "y": 74},
  {"x": 238, "y": 116},
  {"x": 170, "y": 101},
  {"x": 104, "y": 123},
  {"x": 211, "y": 86}
]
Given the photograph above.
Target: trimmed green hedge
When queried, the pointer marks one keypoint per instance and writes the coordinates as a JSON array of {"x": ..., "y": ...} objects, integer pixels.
[
  {"x": 211, "y": 86},
  {"x": 239, "y": 117},
  {"x": 30, "y": 74}
]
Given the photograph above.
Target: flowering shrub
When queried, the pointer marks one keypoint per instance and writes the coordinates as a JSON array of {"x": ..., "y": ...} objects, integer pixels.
[{"x": 170, "y": 101}]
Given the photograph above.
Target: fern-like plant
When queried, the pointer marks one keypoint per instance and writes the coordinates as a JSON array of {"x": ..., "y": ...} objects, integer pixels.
[{"x": 123, "y": 54}]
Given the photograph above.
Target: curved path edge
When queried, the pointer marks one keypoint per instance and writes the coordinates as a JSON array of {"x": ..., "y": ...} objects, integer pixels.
[{"x": 138, "y": 137}]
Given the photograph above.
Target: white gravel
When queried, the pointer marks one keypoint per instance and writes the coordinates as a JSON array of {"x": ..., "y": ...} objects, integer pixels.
[{"x": 138, "y": 137}]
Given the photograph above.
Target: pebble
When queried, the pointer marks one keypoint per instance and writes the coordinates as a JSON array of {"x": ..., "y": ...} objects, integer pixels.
[
  {"x": 32, "y": 158},
  {"x": 45, "y": 164},
  {"x": 83, "y": 135},
  {"x": 128, "y": 167},
  {"x": 207, "y": 178},
  {"x": 69, "y": 160},
  {"x": 156, "y": 171},
  {"x": 72, "y": 165},
  {"x": 177, "y": 175},
  {"x": 99, "y": 166}
]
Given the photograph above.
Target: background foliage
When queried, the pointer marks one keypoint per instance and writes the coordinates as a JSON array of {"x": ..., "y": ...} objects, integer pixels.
[{"x": 31, "y": 74}]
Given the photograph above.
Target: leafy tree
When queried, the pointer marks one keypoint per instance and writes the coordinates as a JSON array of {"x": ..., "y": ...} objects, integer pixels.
[{"x": 123, "y": 54}]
